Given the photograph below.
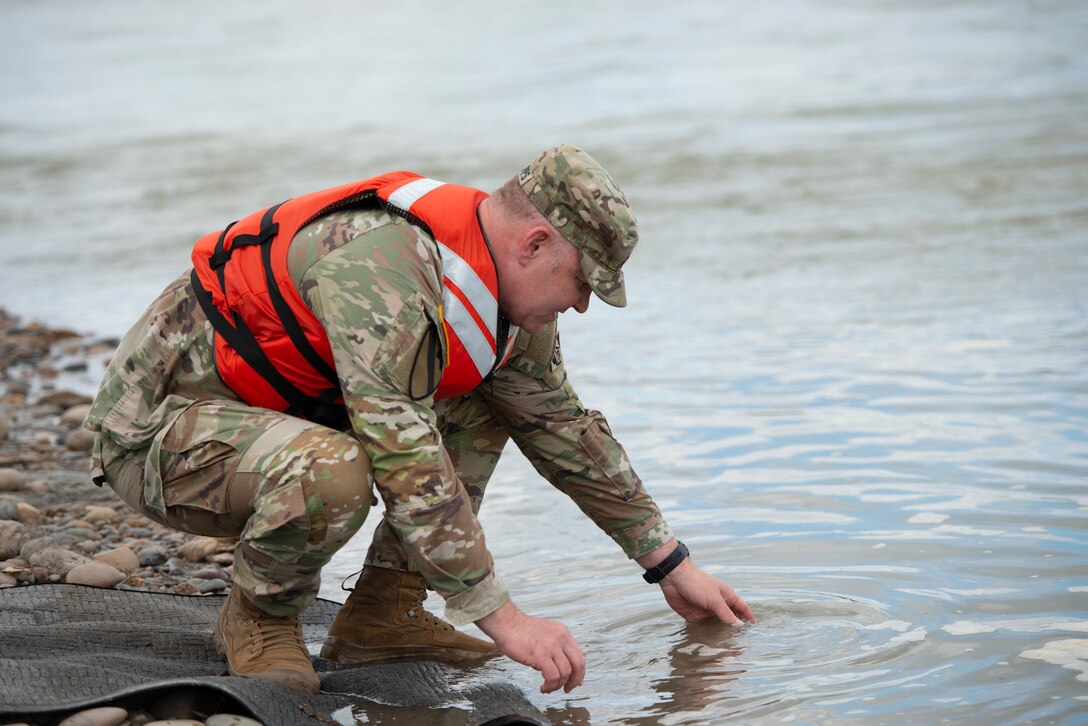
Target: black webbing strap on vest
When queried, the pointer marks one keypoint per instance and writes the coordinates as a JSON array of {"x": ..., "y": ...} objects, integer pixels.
[{"x": 323, "y": 409}]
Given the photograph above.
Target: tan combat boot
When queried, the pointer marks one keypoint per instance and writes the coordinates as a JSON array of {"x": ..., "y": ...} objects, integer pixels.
[
  {"x": 259, "y": 645},
  {"x": 384, "y": 619}
]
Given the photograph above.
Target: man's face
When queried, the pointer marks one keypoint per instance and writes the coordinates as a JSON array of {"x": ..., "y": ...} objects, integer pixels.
[{"x": 552, "y": 283}]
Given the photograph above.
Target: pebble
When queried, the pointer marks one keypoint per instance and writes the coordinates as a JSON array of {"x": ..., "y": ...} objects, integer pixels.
[
  {"x": 101, "y": 716},
  {"x": 9, "y": 509},
  {"x": 95, "y": 574},
  {"x": 11, "y": 480},
  {"x": 71, "y": 535},
  {"x": 4, "y": 428},
  {"x": 57, "y": 561},
  {"x": 198, "y": 549},
  {"x": 98, "y": 513},
  {"x": 230, "y": 719},
  {"x": 79, "y": 440},
  {"x": 222, "y": 558},
  {"x": 28, "y": 513},
  {"x": 207, "y": 586},
  {"x": 7, "y": 580},
  {"x": 211, "y": 573},
  {"x": 12, "y": 538},
  {"x": 74, "y": 415},
  {"x": 122, "y": 558},
  {"x": 64, "y": 399},
  {"x": 175, "y": 722},
  {"x": 32, "y": 547},
  {"x": 186, "y": 588},
  {"x": 151, "y": 556}
]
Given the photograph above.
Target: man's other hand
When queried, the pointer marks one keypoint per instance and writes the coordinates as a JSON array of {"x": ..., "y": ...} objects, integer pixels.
[{"x": 542, "y": 644}]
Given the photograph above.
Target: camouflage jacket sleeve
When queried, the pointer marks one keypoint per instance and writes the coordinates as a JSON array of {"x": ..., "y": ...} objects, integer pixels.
[
  {"x": 572, "y": 446},
  {"x": 377, "y": 294}
]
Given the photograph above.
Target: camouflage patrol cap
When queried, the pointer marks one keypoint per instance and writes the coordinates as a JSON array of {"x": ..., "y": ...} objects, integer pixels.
[{"x": 588, "y": 208}]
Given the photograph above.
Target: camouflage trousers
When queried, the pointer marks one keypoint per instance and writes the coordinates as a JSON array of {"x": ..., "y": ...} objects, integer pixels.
[{"x": 292, "y": 491}]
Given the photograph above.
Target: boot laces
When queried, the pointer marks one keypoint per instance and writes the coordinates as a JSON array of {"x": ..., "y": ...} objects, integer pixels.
[
  {"x": 428, "y": 618},
  {"x": 279, "y": 633}
]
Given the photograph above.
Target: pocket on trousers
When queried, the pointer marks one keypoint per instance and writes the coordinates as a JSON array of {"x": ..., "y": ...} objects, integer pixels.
[{"x": 197, "y": 471}]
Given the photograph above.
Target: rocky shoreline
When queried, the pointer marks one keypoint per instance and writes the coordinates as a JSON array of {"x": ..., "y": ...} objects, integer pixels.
[{"x": 57, "y": 526}]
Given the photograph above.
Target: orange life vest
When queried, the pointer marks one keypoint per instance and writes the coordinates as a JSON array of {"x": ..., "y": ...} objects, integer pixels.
[{"x": 272, "y": 350}]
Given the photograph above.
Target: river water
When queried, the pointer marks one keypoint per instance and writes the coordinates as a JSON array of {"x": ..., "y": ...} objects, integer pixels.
[{"x": 853, "y": 369}]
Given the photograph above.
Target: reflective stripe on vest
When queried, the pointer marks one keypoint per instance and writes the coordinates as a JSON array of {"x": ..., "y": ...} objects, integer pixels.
[{"x": 470, "y": 308}]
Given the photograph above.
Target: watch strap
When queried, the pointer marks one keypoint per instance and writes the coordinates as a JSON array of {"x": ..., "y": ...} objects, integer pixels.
[{"x": 658, "y": 573}]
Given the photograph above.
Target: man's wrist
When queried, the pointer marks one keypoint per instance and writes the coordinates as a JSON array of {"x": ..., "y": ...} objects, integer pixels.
[{"x": 660, "y": 571}]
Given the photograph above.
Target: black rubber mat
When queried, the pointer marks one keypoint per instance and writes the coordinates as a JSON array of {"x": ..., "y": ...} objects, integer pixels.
[{"x": 65, "y": 647}]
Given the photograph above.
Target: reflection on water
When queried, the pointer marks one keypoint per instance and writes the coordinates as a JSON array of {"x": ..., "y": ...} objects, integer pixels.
[{"x": 853, "y": 369}]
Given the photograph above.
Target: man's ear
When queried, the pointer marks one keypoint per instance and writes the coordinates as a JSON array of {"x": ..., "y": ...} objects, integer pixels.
[{"x": 533, "y": 244}]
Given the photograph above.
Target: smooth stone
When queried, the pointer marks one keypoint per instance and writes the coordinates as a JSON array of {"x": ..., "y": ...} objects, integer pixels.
[
  {"x": 95, "y": 574},
  {"x": 211, "y": 573},
  {"x": 74, "y": 415},
  {"x": 79, "y": 440},
  {"x": 151, "y": 556},
  {"x": 175, "y": 722},
  {"x": 198, "y": 549},
  {"x": 186, "y": 588},
  {"x": 174, "y": 566},
  {"x": 206, "y": 586},
  {"x": 11, "y": 480},
  {"x": 101, "y": 716},
  {"x": 64, "y": 399},
  {"x": 122, "y": 558},
  {"x": 100, "y": 513},
  {"x": 28, "y": 513},
  {"x": 4, "y": 428},
  {"x": 57, "y": 561},
  {"x": 9, "y": 509},
  {"x": 12, "y": 538},
  {"x": 230, "y": 719},
  {"x": 32, "y": 547},
  {"x": 71, "y": 535},
  {"x": 7, "y": 580},
  {"x": 222, "y": 558}
]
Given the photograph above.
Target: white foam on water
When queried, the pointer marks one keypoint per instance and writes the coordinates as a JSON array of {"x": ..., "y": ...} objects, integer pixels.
[
  {"x": 914, "y": 636},
  {"x": 967, "y": 627},
  {"x": 899, "y": 626},
  {"x": 1022, "y": 625},
  {"x": 969, "y": 531},
  {"x": 928, "y": 518},
  {"x": 983, "y": 591},
  {"x": 1079, "y": 588},
  {"x": 1071, "y": 654}
]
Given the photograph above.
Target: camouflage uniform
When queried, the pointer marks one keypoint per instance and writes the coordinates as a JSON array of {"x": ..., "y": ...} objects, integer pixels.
[{"x": 178, "y": 445}]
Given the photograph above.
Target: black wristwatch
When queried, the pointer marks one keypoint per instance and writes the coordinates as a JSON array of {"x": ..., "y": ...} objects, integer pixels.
[{"x": 656, "y": 574}]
